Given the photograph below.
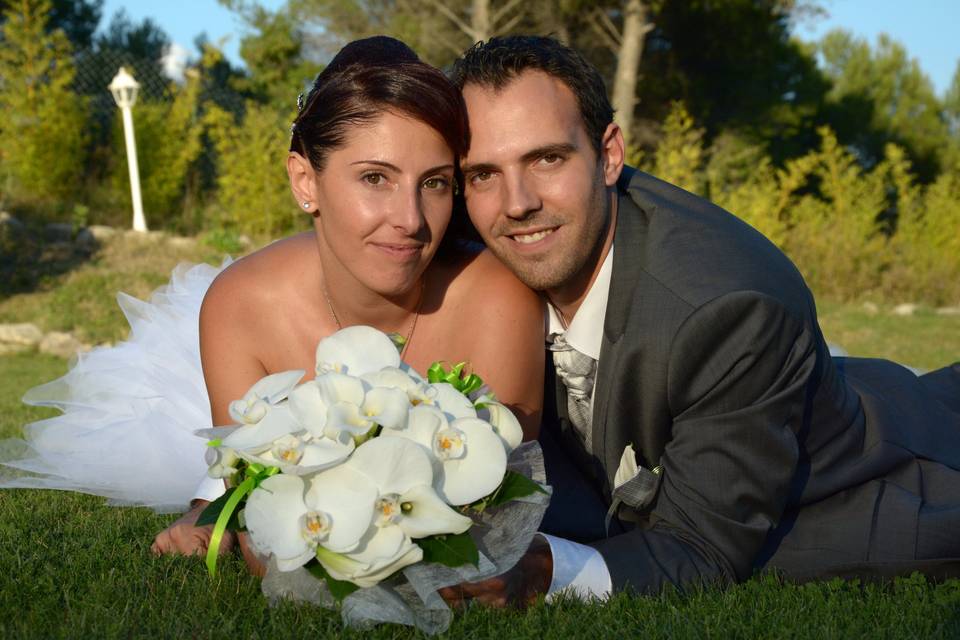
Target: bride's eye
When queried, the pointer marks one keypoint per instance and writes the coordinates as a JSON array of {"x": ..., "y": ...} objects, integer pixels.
[
  {"x": 436, "y": 183},
  {"x": 374, "y": 178}
]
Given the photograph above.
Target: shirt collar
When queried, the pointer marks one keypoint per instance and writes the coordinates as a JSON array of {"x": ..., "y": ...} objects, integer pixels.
[{"x": 585, "y": 332}]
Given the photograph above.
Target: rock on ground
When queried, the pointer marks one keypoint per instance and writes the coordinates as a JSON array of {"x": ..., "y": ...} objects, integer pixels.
[
  {"x": 61, "y": 344},
  {"x": 24, "y": 334}
]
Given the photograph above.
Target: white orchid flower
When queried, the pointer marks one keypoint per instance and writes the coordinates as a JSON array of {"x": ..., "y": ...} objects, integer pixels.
[
  {"x": 277, "y": 422},
  {"x": 275, "y": 517},
  {"x": 221, "y": 462},
  {"x": 472, "y": 460},
  {"x": 467, "y": 464},
  {"x": 346, "y": 423},
  {"x": 386, "y": 406},
  {"x": 346, "y": 497},
  {"x": 383, "y": 552},
  {"x": 504, "y": 423},
  {"x": 269, "y": 390},
  {"x": 394, "y": 378},
  {"x": 403, "y": 473},
  {"x": 356, "y": 351},
  {"x": 301, "y": 454},
  {"x": 311, "y": 401},
  {"x": 423, "y": 421}
]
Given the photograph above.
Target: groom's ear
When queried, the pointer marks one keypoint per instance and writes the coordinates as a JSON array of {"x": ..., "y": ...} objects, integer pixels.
[
  {"x": 302, "y": 180},
  {"x": 612, "y": 153}
]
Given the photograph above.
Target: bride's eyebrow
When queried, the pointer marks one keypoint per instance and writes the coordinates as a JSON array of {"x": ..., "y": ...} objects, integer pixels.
[{"x": 393, "y": 167}]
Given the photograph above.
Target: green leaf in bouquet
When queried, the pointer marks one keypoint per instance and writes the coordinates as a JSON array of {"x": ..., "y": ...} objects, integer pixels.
[
  {"x": 515, "y": 485},
  {"x": 212, "y": 512},
  {"x": 339, "y": 589},
  {"x": 465, "y": 384},
  {"x": 451, "y": 550}
]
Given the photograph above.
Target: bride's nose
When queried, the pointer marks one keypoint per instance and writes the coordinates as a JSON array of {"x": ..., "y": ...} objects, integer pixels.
[{"x": 406, "y": 211}]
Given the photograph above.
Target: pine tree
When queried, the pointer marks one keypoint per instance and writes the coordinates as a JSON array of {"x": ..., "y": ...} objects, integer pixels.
[{"x": 42, "y": 122}]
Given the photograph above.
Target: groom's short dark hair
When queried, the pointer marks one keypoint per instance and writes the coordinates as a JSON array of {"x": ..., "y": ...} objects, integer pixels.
[{"x": 496, "y": 62}]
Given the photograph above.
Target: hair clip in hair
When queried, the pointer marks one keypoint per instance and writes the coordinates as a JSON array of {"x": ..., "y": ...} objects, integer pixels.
[{"x": 300, "y": 103}]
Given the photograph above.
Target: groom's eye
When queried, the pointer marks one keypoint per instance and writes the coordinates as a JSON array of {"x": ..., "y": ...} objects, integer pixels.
[
  {"x": 550, "y": 158},
  {"x": 480, "y": 176}
]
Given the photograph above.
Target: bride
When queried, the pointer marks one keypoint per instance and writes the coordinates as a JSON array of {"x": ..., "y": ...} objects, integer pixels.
[{"x": 373, "y": 159}]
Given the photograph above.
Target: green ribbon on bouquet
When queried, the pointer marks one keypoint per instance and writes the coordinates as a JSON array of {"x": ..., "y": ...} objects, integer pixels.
[
  {"x": 255, "y": 474},
  {"x": 465, "y": 384}
]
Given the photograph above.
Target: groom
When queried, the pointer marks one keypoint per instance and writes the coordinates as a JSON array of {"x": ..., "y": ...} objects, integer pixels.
[{"x": 696, "y": 396}]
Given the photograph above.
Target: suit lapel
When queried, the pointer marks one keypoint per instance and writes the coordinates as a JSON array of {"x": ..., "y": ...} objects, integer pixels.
[{"x": 628, "y": 257}]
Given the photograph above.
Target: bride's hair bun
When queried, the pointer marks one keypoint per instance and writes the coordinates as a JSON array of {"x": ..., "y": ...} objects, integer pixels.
[{"x": 375, "y": 50}]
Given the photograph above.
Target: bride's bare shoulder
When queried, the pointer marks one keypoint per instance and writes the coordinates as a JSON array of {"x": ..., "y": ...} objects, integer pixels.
[
  {"x": 262, "y": 280},
  {"x": 481, "y": 284}
]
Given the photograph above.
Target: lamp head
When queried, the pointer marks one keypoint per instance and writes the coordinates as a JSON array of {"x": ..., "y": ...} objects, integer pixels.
[{"x": 124, "y": 88}]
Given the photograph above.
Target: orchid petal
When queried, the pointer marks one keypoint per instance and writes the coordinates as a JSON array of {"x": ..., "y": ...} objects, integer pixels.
[
  {"x": 344, "y": 421},
  {"x": 348, "y": 497},
  {"x": 504, "y": 423},
  {"x": 423, "y": 421},
  {"x": 356, "y": 350},
  {"x": 309, "y": 407},
  {"x": 278, "y": 422},
  {"x": 478, "y": 473},
  {"x": 277, "y": 386},
  {"x": 393, "y": 464},
  {"x": 388, "y": 407},
  {"x": 394, "y": 378},
  {"x": 339, "y": 387},
  {"x": 427, "y": 514},
  {"x": 452, "y": 402},
  {"x": 272, "y": 514}
]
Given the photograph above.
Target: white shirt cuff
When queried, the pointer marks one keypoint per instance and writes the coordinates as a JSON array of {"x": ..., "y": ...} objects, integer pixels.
[
  {"x": 209, "y": 489},
  {"x": 577, "y": 569}
]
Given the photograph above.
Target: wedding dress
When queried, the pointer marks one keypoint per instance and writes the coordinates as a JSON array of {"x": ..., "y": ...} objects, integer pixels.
[{"x": 129, "y": 411}]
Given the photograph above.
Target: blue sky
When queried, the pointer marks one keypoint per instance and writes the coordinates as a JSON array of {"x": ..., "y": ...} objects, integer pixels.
[{"x": 927, "y": 28}]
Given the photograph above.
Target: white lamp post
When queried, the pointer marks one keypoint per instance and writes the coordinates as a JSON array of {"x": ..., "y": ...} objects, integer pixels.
[{"x": 124, "y": 89}]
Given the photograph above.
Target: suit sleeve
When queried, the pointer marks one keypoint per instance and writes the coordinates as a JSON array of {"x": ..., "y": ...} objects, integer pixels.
[{"x": 741, "y": 370}]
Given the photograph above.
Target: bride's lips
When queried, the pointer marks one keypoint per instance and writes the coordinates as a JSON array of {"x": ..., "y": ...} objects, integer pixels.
[{"x": 399, "y": 250}]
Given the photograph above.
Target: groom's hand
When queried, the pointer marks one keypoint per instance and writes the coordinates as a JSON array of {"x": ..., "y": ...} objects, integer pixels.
[
  {"x": 520, "y": 586},
  {"x": 184, "y": 537}
]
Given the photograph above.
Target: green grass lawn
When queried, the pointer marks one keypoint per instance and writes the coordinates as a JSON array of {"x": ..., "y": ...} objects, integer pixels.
[{"x": 71, "y": 566}]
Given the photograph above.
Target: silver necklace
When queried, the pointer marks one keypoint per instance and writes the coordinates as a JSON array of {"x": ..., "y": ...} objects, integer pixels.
[{"x": 396, "y": 337}]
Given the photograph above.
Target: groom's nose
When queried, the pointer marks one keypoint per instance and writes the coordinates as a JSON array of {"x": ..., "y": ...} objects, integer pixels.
[{"x": 520, "y": 196}]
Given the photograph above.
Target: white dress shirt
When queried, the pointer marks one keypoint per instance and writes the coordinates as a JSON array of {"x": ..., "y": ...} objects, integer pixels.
[{"x": 578, "y": 568}]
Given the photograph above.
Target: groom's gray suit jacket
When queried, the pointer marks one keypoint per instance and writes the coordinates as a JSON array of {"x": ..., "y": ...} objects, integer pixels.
[{"x": 773, "y": 454}]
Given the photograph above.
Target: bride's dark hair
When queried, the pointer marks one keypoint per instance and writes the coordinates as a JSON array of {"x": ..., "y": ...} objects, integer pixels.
[{"x": 365, "y": 79}]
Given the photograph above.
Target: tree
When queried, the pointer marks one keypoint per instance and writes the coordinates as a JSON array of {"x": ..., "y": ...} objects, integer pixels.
[
  {"x": 42, "y": 122},
  {"x": 78, "y": 19},
  {"x": 626, "y": 43},
  {"x": 881, "y": 95}
]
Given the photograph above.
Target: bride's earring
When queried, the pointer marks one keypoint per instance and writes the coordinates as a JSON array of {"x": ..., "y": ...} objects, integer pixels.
[{"x": 306, "y": 205}]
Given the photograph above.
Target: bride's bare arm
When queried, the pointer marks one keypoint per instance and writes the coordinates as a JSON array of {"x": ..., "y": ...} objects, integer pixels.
[{"x": 230, "y": 367}]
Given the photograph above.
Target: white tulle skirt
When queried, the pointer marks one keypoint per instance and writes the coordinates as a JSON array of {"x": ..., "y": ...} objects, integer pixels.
[{"x": 129, "y": 411}]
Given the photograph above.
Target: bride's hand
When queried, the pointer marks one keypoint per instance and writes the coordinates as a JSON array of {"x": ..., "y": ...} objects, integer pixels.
[{"x": 184, "y": 537}]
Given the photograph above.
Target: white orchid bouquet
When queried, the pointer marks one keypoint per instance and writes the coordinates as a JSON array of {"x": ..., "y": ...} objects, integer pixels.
[{"x": 366, "y": 469}]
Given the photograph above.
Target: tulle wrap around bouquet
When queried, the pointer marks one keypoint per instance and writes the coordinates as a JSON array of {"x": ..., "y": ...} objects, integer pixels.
[{"x": 370, "y": 486}]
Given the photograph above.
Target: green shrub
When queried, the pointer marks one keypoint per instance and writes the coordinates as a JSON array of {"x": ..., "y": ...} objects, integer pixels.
[
  {"x": 42, "y": 122},
  {"x": 253, "y": 194}
]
